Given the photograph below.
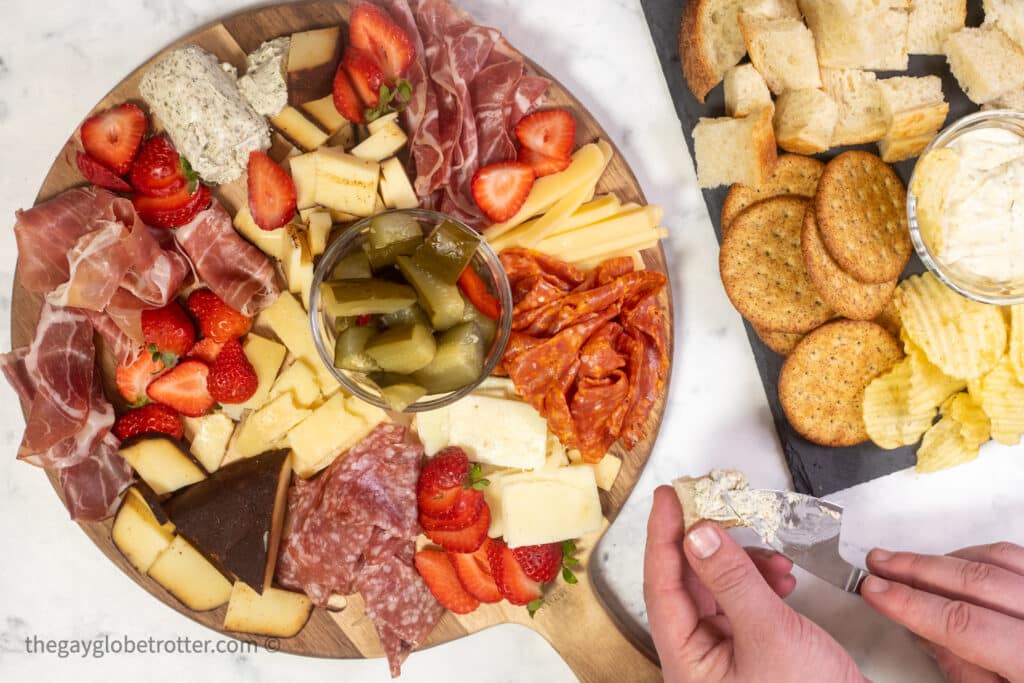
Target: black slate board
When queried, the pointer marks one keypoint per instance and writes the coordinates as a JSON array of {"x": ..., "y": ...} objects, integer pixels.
[{"x": 816, "y": 470}]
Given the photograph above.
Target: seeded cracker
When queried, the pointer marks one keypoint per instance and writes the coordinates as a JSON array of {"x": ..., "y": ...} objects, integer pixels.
[
  {"x": 762, "y": 268},
  {"x": 821, "y": 386},
  {"x": 781, "y": 343},
  {"x": 860, "y": 207},
  {"x": 793, "y": 174}
]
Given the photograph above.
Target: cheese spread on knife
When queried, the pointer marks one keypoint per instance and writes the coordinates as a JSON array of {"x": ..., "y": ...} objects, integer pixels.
[{"x": 201, "y": 107}]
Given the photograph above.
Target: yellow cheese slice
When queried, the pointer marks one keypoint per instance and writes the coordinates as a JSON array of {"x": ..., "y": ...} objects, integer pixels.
[
  {"x": 637, "y": 221},
  {"x": 601, "y": 207},
  {"x": 623, "y": 246}
]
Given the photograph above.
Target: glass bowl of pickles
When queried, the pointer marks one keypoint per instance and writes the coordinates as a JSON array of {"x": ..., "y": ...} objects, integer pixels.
[{"x": 410, "y": 309}]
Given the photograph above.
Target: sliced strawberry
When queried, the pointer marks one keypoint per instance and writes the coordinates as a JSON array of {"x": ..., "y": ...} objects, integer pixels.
[
  {"x": 448, "y": 468},
  {"x": 512, "y": 581},
  {"x": 99, "y": 175},
  {"x": 271, "y": 192},
  {"x": 439, "y": 574},
  {"x": 346, "y": 101},
  {"x": 207, "y": 349},
  {"x": 159, "y": 170},
  {"x": 462, "y": 514},
  {"x": 232, "y": 378},
  {"x": 540, "y": 562},
  {"x": 371, "y": 29},
  {"x": 437, "y": 502},
  {"x": 172, "y": 210},
  {"x": 148, "y": 419},
  {"x": 500, "y": 189},
  {"x": 542, "y": 164},
  {"x": 364, "y": 74},
  {"x": 169, "y": 329},
  {"x": 183, "y": 388},
  {"x": 474, "y": 571},
  {"x": 132, "y": 379},
  {"x": 217, "y": 320},
  {"x": 113, "y": 137},
  {"x": 466, "y": 540},
  {"x": 551, "y": 132}
]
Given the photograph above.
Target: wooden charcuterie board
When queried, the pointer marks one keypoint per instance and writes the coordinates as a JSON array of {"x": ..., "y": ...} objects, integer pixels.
[{"x": 574, "y": 619}]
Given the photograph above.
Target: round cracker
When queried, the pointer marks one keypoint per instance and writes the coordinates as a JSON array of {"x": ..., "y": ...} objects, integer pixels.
[
  {"x": 845, "y": 294},
  {"x": 793, "y": 174},
  {"x": 890, "y": 319},
  {"x": 762, "y": 268},
  {"x": 781, "y": 343},
  {"x": 821, "y": 386},
  {"x": 861, "y": 209}
]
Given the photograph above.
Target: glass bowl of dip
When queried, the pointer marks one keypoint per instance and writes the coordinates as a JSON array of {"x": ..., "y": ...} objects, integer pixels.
[
  {"x": 965, "y": 206},
  {"x": 363, "y": 385}
]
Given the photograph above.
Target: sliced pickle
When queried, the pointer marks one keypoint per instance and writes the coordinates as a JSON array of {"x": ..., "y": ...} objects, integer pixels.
[
  {"x": 441, "y": 301},
  {"x": 402, "y": 349},
  {"x": 349, "y": 349},
  {"x": 401, "y": 396},
  {"x": 488, "y": 327},
  {"x": 366, "y": 295},
  {"x": 446, "y": 251},
  {"x": 459, "y": 360},
  {"x": 352, "y": 266},
  {"x": 405, "y": 316},
  {"x": 391, "y": 235},
  {"x": 385, "y": 256}
]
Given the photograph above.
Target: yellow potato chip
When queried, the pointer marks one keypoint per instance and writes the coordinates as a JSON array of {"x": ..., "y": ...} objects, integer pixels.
[
  {"x": 944, "y": 446},
  {"x": 964, "y": 338},
  {"x": 1002, "y": 399},
  {"x": 929, "y": 386},
  {"x": 1017, "y": 340},
  {"x": 975, "y": 427},
  {"x": 888, "y": 419}
]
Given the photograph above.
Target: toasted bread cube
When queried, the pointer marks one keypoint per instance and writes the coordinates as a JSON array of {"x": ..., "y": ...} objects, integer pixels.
[
  {"x": 898, "y": 149},
  {"x": 985, "y": 61},
  {"x": 931, "y": 22},
  {"x": 731, "y": 150},
  {"x": 1008, "y": 16},
  {"x": 861, "y": 109},
  {"x": 1011, "y": 100},
  {"x": 805, "y": 120},
  {"x": 914, "y": 105},
  {"x": 859, "y": 34},
  {"x": 745, "y": 91},
  {"x": 710, "y": 42},
  {"x": 774, "y": 9},
  {"x": 782, "y": 50}
]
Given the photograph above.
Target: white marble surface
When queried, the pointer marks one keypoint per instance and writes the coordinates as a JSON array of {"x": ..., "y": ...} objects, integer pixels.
[{"x": 60, "y": 56}]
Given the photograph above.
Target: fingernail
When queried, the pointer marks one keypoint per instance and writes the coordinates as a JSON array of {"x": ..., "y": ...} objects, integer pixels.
[
  {"x": 879, "y": 555},
  {"x": 704, "y": 541},
  {"x": 873, "y": 584}
]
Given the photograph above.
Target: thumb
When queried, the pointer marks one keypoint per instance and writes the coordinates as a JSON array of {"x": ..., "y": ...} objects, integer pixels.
[{"x": 732, "y": 578}]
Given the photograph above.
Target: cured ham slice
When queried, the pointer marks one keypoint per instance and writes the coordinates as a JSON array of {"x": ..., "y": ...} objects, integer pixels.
[
  {"x": 93, "y": 488},
  {"x": 235, "y": 270},
  {"x": 47, "y": 232}
]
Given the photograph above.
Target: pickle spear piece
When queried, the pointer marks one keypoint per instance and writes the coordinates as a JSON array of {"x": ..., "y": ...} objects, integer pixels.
[
  {"x": 447, "y": 251},
  {"x": 401, "y": 396},
  {"x": 391, "y": 235},
  {"x": 406, "y": 316},
  {"x": 459, "y": 360},
  {"x": 441, "y": 301},
  {"x": 402, "y": 349},
  {"x": 488, "y": 327},
  {"x": 365, "y": 296},
  {"x": 352, "y": 266},
  {"x": 349, "y": 349}
]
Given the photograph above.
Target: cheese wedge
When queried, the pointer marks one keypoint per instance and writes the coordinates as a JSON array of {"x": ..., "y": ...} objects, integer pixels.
[
  {"x": 288, "y": 320},
  {"x": 548, "y": 507},
  {"x": 432, "y": 427},
  {"x": 327, "y": 432},
  {"x": 190, "y": 577},
  {"x": 137, "y": 533},
  {"x": 299, "y": 129},
  {"x": 300, "y": 380},
  {"x": 498, "y": 431},
  {"x": 395, "y": 188},
  {"x": 270, "y": 242},
  {"x": 208, "y": 438},
  {"x": 267, "y": 425}
]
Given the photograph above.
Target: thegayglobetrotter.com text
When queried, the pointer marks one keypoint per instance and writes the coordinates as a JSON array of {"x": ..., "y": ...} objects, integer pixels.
[{"x": 111, "y": 644}]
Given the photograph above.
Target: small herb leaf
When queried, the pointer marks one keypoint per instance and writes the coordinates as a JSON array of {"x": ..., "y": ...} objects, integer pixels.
[{"x": 533, "y": 606}]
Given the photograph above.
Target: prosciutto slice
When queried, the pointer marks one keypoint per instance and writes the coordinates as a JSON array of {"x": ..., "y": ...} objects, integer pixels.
[
  {"x": 235, "y": 270},
  {"x": 47, "y": 232}
]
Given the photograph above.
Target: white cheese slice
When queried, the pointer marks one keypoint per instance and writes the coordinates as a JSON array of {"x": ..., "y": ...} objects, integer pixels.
[
  {"x": 432, "y": 428},
  {"x": 550, "y": 506},
  {"x": 498, "y": 431},
  {"x": 208, "y": 438}
]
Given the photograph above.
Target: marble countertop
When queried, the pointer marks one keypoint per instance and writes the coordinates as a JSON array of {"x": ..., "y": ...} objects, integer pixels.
[{"x": 58, "y": 57}]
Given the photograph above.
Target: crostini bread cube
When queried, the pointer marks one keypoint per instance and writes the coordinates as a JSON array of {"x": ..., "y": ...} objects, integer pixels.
[
  {"x": 861, "y": 109},
  {"x": 931, "y": 21},
  {"x": 914, "y": 105},
  {"x": 731, "y": 150},
  {"x": 1011, "y": 100},
  {"x": 775, "y": 9},
  {"x": 745, "y": 91},
  {"x": 710, "y": 42},
  {"x": 898, "y": 149},
  {"x": 782, "y": 50},
  {"x": 985, "y": 61},
  {"x": 805, "y": 120},
  {"x": 1008, "y": 16},
  {"x": 859, "y": 34}
]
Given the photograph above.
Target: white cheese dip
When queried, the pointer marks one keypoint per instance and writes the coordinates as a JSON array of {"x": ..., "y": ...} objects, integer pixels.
[
  {"x": 981, "y": 218},
  {"x": 209, "y": 121},
  {"x": 263, "y": 84}
]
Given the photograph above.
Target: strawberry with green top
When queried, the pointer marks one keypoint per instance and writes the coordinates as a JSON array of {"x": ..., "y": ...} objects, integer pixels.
[
  {"x": 160, "y": 171},
  {"x": 168, "y": 330}
]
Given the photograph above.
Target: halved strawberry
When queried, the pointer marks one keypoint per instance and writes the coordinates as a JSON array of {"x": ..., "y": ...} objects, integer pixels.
[
  {"x": 159, "y": 170},
  {"x": 217, "y": 320},
  {"x": 206, "y": 349},
  {"x": 513, "y": 583},
  {"x": 462, "y": 514},
  {"x": 540, "y": 562},
  {"x": 169, "y": 329},
  {"x": 552, "y": 132},
  {"x": 466, "y": 540},
  {"x": 99, "y": 175},
  {"x": 232, "y": 378},
  {"x": 172, "y": 210},
  {"x": 542, "y": 164},
  {"x": 474, "y": 571},
  {"x": 437, "y": 502},
  {"x": 371, "y": 29},
  {"x": 183, "y": 388},
  {"x": 439, "y": 574},
  {"x": 448, "y": 468},
  {"x": 150, "y": 418},
  {"x": 500, "y": 189},
  {"x": 364, "y": 74},
  {"x": 271, "y": 192},
  {"x": 132, "y": 379},
  {"x": 112, "y": 137},
  {"x": 346, "y": 101}
]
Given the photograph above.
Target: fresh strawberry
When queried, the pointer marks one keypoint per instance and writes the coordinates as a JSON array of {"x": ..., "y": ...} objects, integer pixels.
[
  {"x": 169, "y": 329},
  {"x": 207, "y": 349},
  {"x": 113, "y": 137},
  {"x": 271, "y": 192},
  {"x": 542, "y": 164},
  {"x": 437, "y": 502},
  {"x": 159, "y": 170},
  {"x": 99, "y": 175},
  {"x": 474, "y": 572},
  {"x": 500, "y": 189},
  {"x": 150, "y": 418},
  {"x": 132, "y": 379},
  {"x": 217, "y": 320},
  {"x": 346, "y": 101},
  {"x": 439, "y": 574},
  {"x": 232, "y": 378},
  {"x": 371, "y": 29},
  {"x": 172, "y": 210},
  {"x": 183, "y": 388},
  {"x": 466, "y": 540},
  {"x": 461, "y": 515},
  {"x": 552, "y": 132},
  {"x": 540, "y": 562},
  {"x": 364, "y": 74},
  {"x": 512, "y": 581}
]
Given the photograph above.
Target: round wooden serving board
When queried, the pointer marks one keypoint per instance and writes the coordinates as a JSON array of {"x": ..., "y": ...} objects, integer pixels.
[{"x": 573, "y": 618}]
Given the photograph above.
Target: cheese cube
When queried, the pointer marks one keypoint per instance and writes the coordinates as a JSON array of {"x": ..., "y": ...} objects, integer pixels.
[
  {"x": 382, "y": 143},
  {"x": 606, "y": 471},
  {"x": 190, "y": 577},
  {"x": 499, "y": 431},
  {"x": 318, "y": 229},
  {"x": 287, "y": 318},
  {"x": 298, "y": 128},
  {"x": 325, "y": 113},
  {"x": 260, "y": 429},
  {"x": 300, "y": 380},
  {"x": 549, "y": 507},
  {"x": 346, "y": 183},
  {"x": 296, "y": 260},
  {"x": 137, "y": 533},
  {"x": 395, "y": 188},
  {"x": 266, "y": 357},
  {"x": 383, "y": 121},
  {"x": 432, "y": 428},
  {"x": 303, "y": 168},
  {"x": 270, "y": 242},
  {"x": 323, "y": 435},
  {"x": 208, "y": 438}
]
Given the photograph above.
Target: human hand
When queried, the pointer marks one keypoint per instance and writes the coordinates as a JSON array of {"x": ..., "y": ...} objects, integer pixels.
[
  {"x": 967, "y": 606},
  {"x": 716, "y": 613}
]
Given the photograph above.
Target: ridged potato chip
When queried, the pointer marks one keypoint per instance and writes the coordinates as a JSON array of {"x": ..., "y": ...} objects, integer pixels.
[
  {"x": 964, "y": 338},
  {"x": 1002, "y": 399},
  {"x": 956, "y": 438},
  {"x": 975, "y": 427},
  {"x": 887, "y": 416},
  {"x": 929, "y": 385},
  {"x": 1017, "y": 340}
]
